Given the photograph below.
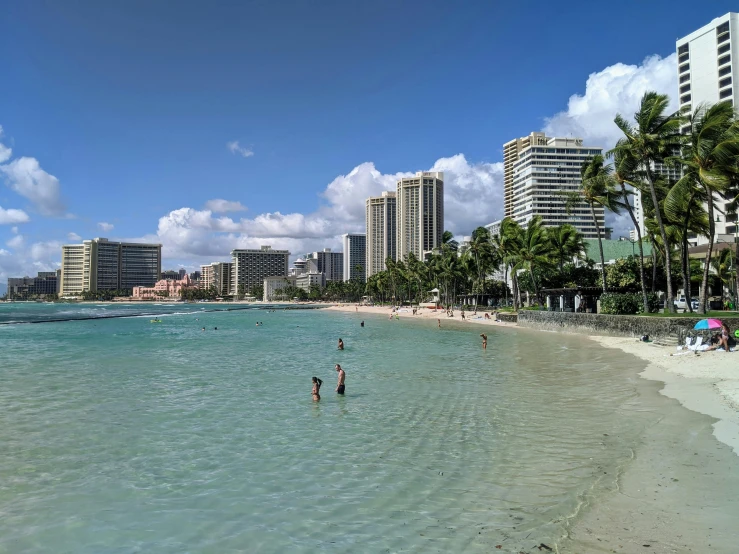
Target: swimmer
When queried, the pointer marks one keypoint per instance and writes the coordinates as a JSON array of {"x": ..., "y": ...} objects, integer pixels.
[
  {"x": 484, "y": 341},
  {"x": 361, "y": 324},
  {"x": 316, "y": 389},
  {"x": 438, "y": 321},
  {"x": 215, "y": 328},
  {"x": 342, "y": 377},
  {"x": 341, "y": 344},
  {"x": 203, "y": 329}
]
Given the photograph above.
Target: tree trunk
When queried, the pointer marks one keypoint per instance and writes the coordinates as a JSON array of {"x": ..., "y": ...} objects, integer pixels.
[
  {"x": 600, "y": 246},
  {"x": 665, "y": 243},
  {"x": 654, "y": 265},
  {"x": 702, "y": 309},
  {"x": 645, "y": 299}
]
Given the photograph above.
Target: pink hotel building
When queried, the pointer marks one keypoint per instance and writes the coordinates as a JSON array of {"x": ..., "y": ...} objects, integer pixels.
[{"x": 165, "y": 288}]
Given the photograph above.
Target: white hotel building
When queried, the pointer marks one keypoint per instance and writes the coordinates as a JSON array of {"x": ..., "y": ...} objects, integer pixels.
[
  {"x": 542, "y": 171},
  {"x": 708, "y": 69}
]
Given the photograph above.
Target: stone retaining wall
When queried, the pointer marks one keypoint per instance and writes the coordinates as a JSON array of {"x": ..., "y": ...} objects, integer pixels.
[
  {"x": 614, "y": 325},
  {"x": 508, "y": 317}
]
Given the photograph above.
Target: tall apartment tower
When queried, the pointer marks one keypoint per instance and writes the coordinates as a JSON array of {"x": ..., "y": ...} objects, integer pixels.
[
  {"x": 326, "y": 262},
  {"x": 511, "y": 150},
  {"x": 100, "y": 264},
  {"x": 541, "y": 173},
  {"x": 708, "y": 72},
  {"x": 355, "y": 254},
  {"x": 420, "y": 213},
  {"x": 250, "y": 267},
  {"x": 216, "y": 274},
  {"x": 381, "y": 214}
]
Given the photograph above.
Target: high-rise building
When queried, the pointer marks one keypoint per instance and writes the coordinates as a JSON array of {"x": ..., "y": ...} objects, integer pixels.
[
  {"x": 542, "y": 173},
  {"x": 217, "y": 275},
  {"x": 171, "y": 275},
  {"x": 511, "y": 150},
  {"x": 100, "y": 264},
  {"x": 326, "y": 262},
  {"x": 381, "y": 213},
  {"x": 182, "y": 273},
  {"x": 45, "y": 283},
  {"x": 355, "y": 254},
  {"x": 251, "y": 266},
  {"x": 420, "y": 214},
  {"x": 708, "y": 73},
  {"x": 494, "y": 227}
]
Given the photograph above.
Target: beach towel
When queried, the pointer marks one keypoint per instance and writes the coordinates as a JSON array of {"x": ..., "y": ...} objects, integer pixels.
[{"x": 697, "y": 344}]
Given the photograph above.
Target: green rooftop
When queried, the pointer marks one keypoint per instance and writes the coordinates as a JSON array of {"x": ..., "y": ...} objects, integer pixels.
[{"x": 615, "y": 249}]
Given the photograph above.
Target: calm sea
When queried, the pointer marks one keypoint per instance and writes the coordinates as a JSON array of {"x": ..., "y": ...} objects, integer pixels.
[{"x": 122, "y": 435}]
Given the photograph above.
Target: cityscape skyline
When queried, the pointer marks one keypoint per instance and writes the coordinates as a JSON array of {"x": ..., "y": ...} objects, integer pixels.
[{"x": 41, "y": 207}]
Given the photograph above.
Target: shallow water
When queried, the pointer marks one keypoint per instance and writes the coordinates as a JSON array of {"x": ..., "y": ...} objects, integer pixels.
[{"x": 122, "y": 435}]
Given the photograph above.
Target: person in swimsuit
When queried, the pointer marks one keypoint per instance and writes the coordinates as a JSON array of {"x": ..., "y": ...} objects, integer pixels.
[
  {"x": 361, "y": 324},
  {"x": 342, "y": 377},
  {"x": 438, "y": 321},
  {"x": 484, "y": 341},
  {"x": 341, "y": 344},
  {"x": 316, "y": 389}
]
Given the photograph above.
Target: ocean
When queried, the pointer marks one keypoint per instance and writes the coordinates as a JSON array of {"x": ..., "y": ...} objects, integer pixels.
[{"x": 123, "y": 435}]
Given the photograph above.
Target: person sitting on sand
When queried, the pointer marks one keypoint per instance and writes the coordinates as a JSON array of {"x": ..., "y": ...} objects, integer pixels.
[
  {"x": 316, "y": 389},
  {"x": 484, "y": 341},
  {"x": 341, "y": 344},
  {"x": 721, "y": 340},
  {"x": 487, "y": 315}
]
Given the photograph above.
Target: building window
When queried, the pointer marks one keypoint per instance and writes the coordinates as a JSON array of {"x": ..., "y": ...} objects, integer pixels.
[
  {"x": 723, "y": 38},
  {"x": 683, "y": 58},
  {"x": 685, "y": 78},
  {"x": 724, "y": 48},
  {"x": 724, "y": 71},
  {"x": 685, "y": 99},
  {"x": 724, "y": 60},
  {"x": 724, "y": 82},
  {"x": 684, "y": 49},
  {"x": 723, "y": 28},
  {"x": 685, "y": 88},
  {"x": 725, "y": 93},
  {"x": 683, "y": 68}
]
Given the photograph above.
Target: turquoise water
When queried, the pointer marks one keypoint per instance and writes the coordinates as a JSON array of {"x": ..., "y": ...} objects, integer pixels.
[{"x": 125, "y": 436}]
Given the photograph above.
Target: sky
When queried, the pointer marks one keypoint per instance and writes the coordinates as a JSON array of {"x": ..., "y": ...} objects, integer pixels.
[{"x": 212, "y": 126}]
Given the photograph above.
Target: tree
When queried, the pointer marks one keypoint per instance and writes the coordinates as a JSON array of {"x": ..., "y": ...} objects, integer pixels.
[
  {"x": 257, "y": 291},
  {"x": 597, "y": 188},
  {"x": 709, "y": 160},
  {"x": 533, "y": 252},
  {"x": 567, "y": 244},
  {"x": 651, "y": 139}
]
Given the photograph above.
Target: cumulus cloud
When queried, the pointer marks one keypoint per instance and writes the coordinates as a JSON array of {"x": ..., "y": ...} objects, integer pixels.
[
  {"x": 12, "y": 216},
  {"x": 105, "y": 227},
  {"x": 16, "y": 242},
  {"x": 39, "y": 256},
  {"x": 236, "y": 148},
  {"x": 5, "y": 153},
  {"x": 73, "y": 237},
  {"x": 615, "y": 89},
  {"x": 473, "y": 196},
  {"x": 26, "y": 177},
  {"x": 218, "y": 205}
]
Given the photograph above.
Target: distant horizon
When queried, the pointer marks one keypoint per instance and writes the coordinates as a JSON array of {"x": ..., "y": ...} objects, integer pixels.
[{"x": 140, "y": 123}]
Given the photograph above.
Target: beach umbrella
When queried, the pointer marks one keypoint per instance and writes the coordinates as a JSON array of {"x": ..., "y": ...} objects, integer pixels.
[{"x": 708, "y": 324}]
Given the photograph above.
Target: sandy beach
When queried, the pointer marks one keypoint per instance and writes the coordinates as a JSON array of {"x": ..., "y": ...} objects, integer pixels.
[{"x": 674, "y": 496}]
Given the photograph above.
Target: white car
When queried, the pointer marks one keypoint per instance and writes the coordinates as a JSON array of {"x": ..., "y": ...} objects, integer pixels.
[{"x": 681, "y": 303}]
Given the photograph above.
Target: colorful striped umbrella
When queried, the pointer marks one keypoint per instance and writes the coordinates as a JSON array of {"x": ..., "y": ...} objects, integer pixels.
[{"x": 708, "y": 324}]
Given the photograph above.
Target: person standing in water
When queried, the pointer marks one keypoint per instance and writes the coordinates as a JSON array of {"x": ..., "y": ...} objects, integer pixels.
[
  {"x": 341, "y": 344},
  {"x": 342, "y": 377},
  {"x": 484, "y": 341},
  {"x": 316, "y": 389},
  {"x": 361, "y": 324}
]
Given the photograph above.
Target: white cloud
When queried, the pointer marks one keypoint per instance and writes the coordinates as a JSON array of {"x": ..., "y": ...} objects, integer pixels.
[
  {"x": 25, "y": 176},
  {"x": 473, "y": 197},
  {"x": 16, "y": 242},
  {"x": 218, "y": 205},
  {"x": 105, "y": 227},
  {"x": 73, "y": 237},
  {"x": 14, "y": 230},
  {"x": 5, "y": 153},
  {"x": 11, "y": 216},
  {"x": 616, "y": 89},
  {"x": 40, "y": 256},
  {"x": 236, "y": 148}
]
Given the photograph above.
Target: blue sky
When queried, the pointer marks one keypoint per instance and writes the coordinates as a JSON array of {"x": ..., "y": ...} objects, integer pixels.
[{"x": 120, "y": 115}]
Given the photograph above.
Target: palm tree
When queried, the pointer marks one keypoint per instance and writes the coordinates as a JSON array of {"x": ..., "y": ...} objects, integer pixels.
[
  {"x": 507, "y": 243},
  {"x": 568, "y": 244},
  {"x": 481, "y": 250},
  {"x": 723, "y": 265},
  {"x": 709, "y": 160},
  {"x": 534, "y": 251},
  {"x": 624, "y": 172},
  {"x": 651, "y": 139},
  {"x": 597, "y": 188}
]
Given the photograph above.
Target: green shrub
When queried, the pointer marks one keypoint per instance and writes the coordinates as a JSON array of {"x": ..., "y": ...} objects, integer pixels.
[{"x": 627, "y": 303}]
